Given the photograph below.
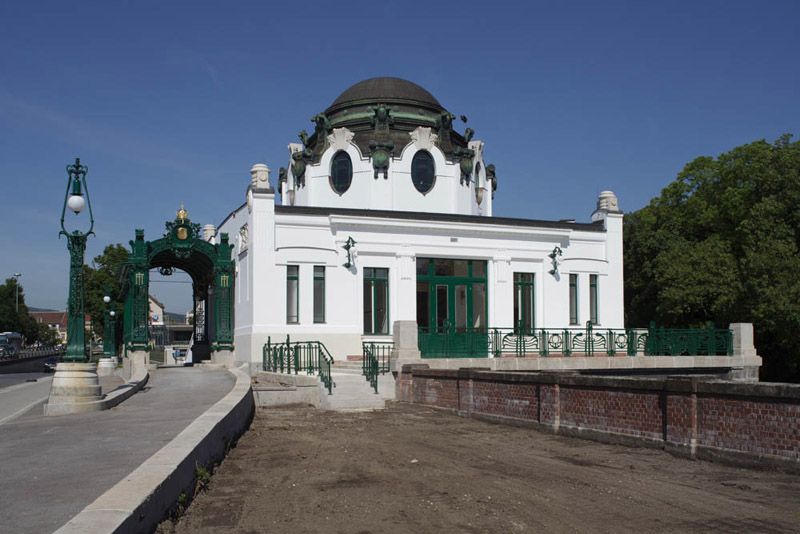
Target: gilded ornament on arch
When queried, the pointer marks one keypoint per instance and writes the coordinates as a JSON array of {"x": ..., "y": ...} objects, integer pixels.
[{"x": 182, "y": 233}]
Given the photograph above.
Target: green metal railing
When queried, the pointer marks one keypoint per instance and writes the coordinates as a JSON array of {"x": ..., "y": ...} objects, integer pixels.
[
  {"x": 567, "y": 342},
  {"x": 375, "y": 360},
  {"x": 309, "y": 357}
]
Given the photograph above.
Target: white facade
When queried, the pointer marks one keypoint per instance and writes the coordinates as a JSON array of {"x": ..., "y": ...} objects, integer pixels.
[
  {"x": 394, "y": 226},
  {"x": 449, "y": 194},
  {"x": 276, "y": 238}
]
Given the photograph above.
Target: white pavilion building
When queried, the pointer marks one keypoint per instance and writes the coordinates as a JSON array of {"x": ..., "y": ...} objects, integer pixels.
[{"x": 385, "y": 221}]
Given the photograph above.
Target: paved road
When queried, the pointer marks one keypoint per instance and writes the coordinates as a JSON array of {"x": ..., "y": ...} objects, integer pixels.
[
  {"x": 19, "y": 396},
  {"x": 52, "y": 467},
  {"x": 20, "y": 378}
]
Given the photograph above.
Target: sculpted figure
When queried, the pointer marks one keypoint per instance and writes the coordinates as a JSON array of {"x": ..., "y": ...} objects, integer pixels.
[{"x": 322, "y": 126}]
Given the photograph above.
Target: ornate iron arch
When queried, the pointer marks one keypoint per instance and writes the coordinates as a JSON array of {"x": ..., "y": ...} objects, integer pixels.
[{"x": 182, "y": 247}]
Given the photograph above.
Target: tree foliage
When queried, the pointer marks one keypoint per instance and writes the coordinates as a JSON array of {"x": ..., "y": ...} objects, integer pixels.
[
  {"x": 13, "y": 320},
  {"x": 103, "y": 279},
  {"x": 721, "y": 244}
]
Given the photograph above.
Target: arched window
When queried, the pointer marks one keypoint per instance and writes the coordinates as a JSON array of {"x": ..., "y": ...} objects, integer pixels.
[
  {"x": 423, "y": 171},
  {"x": 341, "y": 172}
]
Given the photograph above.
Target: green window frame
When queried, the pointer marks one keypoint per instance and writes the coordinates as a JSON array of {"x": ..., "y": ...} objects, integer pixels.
[
  {"x": 524, "y": 302},
  {"x": 292, "y": 294},
  {"x": 593, "y": 299},
  {"x": 376, "y": 301},
  {"x": 319, "y": 294},
  {"x": 573, "y": 299}
]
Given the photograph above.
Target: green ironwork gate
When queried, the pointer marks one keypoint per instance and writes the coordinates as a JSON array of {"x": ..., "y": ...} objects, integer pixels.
[{"x": 209, "y": 265}]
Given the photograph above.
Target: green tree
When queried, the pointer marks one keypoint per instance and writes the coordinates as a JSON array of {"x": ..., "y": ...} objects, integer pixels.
[
  {"x": 721, "y": 244},
  {"x": 47, "y": 336},
  {"x": 13, "y": 320},
  {"x": 102, "y": 279}
]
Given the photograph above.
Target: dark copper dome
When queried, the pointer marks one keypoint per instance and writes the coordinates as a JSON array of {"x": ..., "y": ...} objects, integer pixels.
[{"x": 386, "y": 90}]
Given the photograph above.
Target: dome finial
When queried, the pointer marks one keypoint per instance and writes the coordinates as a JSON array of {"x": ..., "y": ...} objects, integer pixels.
[{"x": 182, "y": 213}]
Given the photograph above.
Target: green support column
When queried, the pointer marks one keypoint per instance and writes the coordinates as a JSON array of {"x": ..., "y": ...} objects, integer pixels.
[
  {"x": 136, "y": 301},
  {"x": 223, "y": 297},
  {"x": 76, "y": 334}
]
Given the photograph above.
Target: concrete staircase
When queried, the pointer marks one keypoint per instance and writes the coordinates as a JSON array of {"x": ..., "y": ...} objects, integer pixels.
[{"x": 353, "y": 392}]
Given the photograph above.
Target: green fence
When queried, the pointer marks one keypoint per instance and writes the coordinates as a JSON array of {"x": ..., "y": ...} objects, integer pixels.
[
  {"x": 309, "y": 357},
  {"x": 568, "y": 342},
  {"x": 375, "y": 361}
]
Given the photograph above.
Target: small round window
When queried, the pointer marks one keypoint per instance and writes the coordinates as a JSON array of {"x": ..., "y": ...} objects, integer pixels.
[
  {"x": 341, "y": 172},
  {"x": 423, "y": 171}
]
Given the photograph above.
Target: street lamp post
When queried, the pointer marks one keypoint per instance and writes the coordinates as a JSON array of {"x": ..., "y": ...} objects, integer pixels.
[
  {"x": 76, "y": 384},
  {"x": 16, "y": 276},
  {"x": 76, "y": 244},
  {"x": 109, "y": 332}
]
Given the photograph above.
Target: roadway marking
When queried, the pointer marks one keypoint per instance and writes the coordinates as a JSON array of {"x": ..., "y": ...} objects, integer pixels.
[{"x": 23, "y": 410}]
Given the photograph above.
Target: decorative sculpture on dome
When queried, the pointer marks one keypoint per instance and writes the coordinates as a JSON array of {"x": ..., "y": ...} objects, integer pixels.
[
  {"x": 465, "y": 157},
  {"x": 303, "y": 135},
  {"x": 381, "y": 153},
  {"x": 382, "y": 118},
  {"x": 490, "y": 175},
  {"x": 322, "y": 126},
  {"x": 299, "y": 166}
]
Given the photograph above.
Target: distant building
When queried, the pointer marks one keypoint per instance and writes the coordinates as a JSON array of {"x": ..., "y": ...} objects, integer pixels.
[{"x": 57, "y": 321}]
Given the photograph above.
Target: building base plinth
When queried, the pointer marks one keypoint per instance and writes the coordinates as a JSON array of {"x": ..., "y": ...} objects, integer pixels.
[
  {"x": 75, "y": 389},
  {"x": 223, "y": 357}
]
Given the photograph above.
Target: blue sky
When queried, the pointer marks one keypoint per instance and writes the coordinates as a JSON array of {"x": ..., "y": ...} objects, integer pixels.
[{"x": 171, "y": 102}]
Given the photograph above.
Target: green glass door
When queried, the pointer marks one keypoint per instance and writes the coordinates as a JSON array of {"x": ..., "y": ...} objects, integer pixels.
[{"x": 451, "y": 307}]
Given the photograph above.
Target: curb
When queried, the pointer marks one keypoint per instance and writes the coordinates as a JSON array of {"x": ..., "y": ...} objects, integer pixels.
[{"x": 140, "y": 501}]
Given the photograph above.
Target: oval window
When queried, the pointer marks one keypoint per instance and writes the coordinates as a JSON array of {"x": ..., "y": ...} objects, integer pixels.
[
  {"x": 341, "y": 172},
  {"x": 423, "y": 171}
]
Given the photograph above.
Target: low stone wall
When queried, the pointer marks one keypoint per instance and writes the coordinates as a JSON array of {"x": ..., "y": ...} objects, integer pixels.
[
  {"x": 143, "y": 498},
  {"x": 694, "y": 416}
]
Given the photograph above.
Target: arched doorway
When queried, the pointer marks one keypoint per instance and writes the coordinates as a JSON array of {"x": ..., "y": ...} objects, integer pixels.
[{"x": 211, "y": 269}]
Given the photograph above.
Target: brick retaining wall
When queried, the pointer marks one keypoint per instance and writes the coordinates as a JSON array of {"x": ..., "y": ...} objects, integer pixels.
[{"x": 696, "y": 416}]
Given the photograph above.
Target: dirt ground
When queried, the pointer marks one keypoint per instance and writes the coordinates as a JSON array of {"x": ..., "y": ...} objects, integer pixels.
[{"x": 414, "y": 469}]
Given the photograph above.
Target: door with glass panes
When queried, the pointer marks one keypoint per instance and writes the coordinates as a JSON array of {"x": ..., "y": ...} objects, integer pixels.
[{"x": 451, "y": 295}]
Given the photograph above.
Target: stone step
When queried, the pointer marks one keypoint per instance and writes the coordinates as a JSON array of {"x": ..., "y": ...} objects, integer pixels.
[{"x": 353, "y": 392}]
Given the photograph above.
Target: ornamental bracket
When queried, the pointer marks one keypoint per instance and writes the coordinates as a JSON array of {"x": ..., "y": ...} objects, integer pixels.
[
  {"x": 554, "y": 259},
  {"x": 348, "y": 246}
]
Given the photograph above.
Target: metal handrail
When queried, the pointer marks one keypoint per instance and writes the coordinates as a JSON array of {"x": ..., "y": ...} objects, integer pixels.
[
  {"x": 566, "y": 342},
  {"x": 310, "y": 357},
  {"x": 375, "y": 360}
]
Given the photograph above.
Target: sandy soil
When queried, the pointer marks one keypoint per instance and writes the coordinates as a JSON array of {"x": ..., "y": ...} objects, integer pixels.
[{"x": 414, "y": 469}]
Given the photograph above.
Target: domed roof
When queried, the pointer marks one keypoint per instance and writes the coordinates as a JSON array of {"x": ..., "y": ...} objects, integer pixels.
[{"x": 386, "y": 89}]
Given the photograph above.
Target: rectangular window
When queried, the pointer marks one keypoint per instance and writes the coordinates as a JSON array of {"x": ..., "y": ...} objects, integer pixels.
[
  {"x": 593, "y": 298},
  {"x": 524, "y": 317},
  {"x": 292, "y": 294},
  {"x": 376, "y": 301},
  {"x": 319, "y": 294},
  {"x": 573, "y": 299}
]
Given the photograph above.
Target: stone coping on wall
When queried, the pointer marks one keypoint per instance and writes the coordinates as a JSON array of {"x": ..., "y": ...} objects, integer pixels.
[
  {"x": 670, "y": 384},
  {"x": 579, "y": 363}
]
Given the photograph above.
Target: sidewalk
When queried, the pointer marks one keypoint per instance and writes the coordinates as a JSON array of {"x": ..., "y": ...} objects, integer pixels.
[{"x": 53, "y": 467}]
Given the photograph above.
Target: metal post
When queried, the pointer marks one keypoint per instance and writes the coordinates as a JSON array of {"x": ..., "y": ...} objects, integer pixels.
[
  {"x": 16, "y": 276},
  {"x": 76, "y": 334}
]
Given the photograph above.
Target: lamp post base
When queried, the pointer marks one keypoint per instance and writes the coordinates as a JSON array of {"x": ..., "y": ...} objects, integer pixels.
[
  {"x": 106, "y": 366},
  {"x": 74, "y": 384}
]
